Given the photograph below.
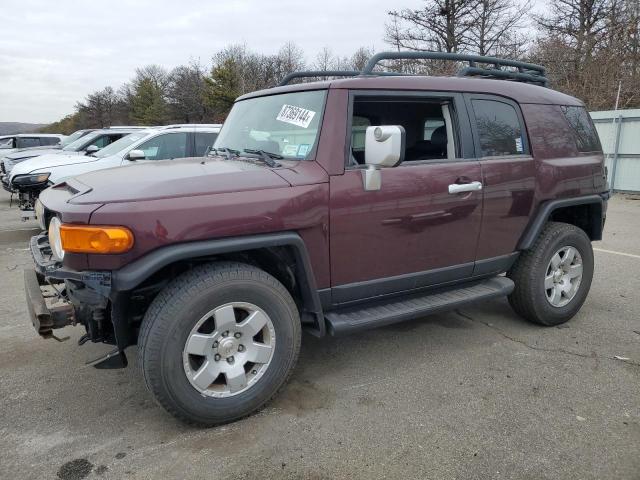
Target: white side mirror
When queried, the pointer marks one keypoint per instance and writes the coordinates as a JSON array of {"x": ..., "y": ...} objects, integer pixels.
[
  {"x": 384, "y": 147},
  {"x": 136, "y": 155},
  {"x": 91, "y": 149}
]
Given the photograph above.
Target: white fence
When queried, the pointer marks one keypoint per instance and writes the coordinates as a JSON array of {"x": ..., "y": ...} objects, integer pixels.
[{"x": 619, "y": 133}]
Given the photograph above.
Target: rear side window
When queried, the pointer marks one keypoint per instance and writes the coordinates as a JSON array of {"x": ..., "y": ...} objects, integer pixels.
[
  {"x": 164, "y": 147},
  {"x": 583, "y": 130},
  {"x": 49, "y": 140},
  {"x": 499, "y": 129},
  {"x": 204, "y": 140},
  {"x": 25, "y": 142}
]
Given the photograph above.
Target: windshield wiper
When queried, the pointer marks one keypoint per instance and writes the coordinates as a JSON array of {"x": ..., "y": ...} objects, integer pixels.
[
  {"x": 267, "y": 157},
  {"x": 227, "y": 151}
]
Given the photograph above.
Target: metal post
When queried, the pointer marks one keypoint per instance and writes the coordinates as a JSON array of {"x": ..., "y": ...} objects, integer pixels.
[{"x": 614, "y": 161}]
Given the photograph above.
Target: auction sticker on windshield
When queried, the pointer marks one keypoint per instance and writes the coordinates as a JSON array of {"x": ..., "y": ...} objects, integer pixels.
[{"x": 295, "y": 115}]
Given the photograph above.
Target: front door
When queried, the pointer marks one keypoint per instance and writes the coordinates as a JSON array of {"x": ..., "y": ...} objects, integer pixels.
[{"x": 412, "y": 233}]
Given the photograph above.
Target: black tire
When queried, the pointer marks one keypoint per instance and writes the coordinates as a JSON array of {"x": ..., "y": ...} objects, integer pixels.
[
  {"x": 529, "y": 298},
  {"x": 178, "y": 307}
]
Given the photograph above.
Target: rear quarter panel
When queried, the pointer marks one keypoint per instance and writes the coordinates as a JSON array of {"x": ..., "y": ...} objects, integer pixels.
[{"x": 561, "y": 170}]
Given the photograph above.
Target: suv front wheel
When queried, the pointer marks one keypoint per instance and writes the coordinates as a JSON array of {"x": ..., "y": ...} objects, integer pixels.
[
  {"x": 553, "y": 278},
  {"x": 218, "y": 342}
]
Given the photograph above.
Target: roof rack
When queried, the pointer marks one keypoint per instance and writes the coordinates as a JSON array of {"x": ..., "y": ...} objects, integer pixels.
[
  {"x": 191, "y": 125},
  {"x": 524, "y": 72},
  {"x": 318, "y": 73}
]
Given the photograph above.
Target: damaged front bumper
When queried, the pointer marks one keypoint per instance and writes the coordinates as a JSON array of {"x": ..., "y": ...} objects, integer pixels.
[{"x": 58, "y": 297}]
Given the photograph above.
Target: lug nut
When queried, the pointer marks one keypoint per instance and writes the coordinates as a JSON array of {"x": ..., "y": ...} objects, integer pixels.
[
  {"x": 240, "y": 348},
  {"x": 217, "y": 357},
  {"x": 225, "y": 334},
  {"x": 253, "y": 372},
  {"x": 230, "y": 359},
  {"x": 237, "y": 334},
  {"x": 215, "y": 344}
]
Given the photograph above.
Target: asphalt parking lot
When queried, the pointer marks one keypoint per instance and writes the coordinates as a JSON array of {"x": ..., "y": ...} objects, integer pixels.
[{"x": 472, "y": 394}]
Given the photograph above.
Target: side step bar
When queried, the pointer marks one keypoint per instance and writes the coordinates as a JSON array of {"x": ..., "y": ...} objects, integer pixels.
[{"x": 398, "y": 309}]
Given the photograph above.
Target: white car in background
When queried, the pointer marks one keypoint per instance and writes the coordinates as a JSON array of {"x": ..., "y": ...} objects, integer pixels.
[
  {"x": 11, "y": 143},
  {"x": 32, "y": 176},
  {"x": 89, "y": 141}
]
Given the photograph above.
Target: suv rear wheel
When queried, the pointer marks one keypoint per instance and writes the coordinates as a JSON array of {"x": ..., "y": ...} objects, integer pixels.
[
  {"x": 552, "y": 279},
  {"x": 218, "y": 342}
]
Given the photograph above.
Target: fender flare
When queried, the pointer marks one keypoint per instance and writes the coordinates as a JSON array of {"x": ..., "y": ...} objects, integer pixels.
[
  {"x": 133, "y": 274},
  {"x": 546, "y": 209}
]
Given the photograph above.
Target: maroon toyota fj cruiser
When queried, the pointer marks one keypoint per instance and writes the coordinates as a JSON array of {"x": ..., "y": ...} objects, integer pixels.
[{"x": 332, "y": 207}]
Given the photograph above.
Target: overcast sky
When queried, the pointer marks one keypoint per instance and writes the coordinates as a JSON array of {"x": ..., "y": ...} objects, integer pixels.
[{"x": 53, "y": 54}]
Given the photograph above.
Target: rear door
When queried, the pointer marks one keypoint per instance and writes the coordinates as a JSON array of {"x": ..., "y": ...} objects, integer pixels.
[
  {"x": 508, "y": 178},
  {"x": 412, "y": 233}
]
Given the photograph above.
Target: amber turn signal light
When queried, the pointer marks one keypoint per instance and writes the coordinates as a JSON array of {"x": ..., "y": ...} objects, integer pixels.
[{"x": 95, "y": 239}]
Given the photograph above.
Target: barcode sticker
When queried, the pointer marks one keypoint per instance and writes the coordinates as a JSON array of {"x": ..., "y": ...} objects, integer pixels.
[
  {"x": 295, "y": 115},
  {"x": 519, "y": 148}
]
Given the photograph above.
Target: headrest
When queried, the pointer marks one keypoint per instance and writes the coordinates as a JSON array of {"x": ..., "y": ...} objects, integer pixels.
[{"x": 439, "y": 137}]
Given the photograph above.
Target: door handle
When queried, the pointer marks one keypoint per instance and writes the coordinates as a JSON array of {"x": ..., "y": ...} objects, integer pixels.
[{"x": 464, "y": 187}]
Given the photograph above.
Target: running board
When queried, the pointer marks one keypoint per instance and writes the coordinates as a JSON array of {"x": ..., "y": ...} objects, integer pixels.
[{"x": 398, "y": 309}]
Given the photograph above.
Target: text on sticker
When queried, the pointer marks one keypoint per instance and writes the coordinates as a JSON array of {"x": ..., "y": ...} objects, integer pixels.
[{"x": 295, "y": 115}]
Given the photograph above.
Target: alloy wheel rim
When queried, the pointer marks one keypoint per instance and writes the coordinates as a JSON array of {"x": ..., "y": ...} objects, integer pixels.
[
  {"x": 229, "y": 349},
  {"x": 563, "y": 276}
]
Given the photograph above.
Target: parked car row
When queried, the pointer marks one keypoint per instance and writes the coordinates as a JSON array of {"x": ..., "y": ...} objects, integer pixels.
[{"x": 27, "y": 172}]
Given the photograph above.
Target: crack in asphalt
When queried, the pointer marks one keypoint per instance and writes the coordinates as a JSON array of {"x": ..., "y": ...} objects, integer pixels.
[{"x": 542, "y": 349}]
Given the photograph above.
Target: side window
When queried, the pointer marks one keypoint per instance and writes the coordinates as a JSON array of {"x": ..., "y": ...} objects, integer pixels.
[
  {"x": 26, "y": 142},
  {"x": 7, "y": 143},
  {"x": 166, "y": 146},
  {"x": 423, "y": 120},
  {"x": 499, "y": 129},
  {"x": 105, "y": 140},
  {"x": 583, "y": 129},
  {"x": 49, "y": 140},
  {"x": 204, "y": 141},
  {"x": 430, "y": 126},
  {"x": 358, "y": 132}
]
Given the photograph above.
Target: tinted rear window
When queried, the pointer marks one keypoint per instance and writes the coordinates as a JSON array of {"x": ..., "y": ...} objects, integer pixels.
[
  {"x": 49, "y": 141},
  {"x": 499, "y": 128},
  {"x": 583, "y": 130}
]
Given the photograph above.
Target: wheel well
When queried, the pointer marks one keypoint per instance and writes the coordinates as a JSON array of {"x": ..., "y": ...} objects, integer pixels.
[
  {"x": 280, "y": 262},
  {"x": 587, "y": 217}
]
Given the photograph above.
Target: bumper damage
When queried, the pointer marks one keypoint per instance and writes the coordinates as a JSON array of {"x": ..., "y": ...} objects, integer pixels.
[{"x": 58, "y": 297}]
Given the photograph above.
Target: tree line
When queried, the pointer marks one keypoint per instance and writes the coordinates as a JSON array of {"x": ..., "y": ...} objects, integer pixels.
[{"x": 591, "y": 49}]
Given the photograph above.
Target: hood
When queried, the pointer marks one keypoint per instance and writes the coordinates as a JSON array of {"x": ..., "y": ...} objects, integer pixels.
[
  {"x": 33, "y": 152},
  {"x": 43, "y": 162},
  {"x": 173, "y": 178}
]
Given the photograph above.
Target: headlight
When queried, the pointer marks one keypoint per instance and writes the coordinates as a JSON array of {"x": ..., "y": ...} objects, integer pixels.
[
  {"x": 39, "y": 211},
  {"x": 32, "y": 179},
  {"x": 55, "y": 241}
]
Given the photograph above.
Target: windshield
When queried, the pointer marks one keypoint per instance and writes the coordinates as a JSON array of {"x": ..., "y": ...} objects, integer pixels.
[
  {"x": 285, "y": 124},
  {"x": 119, "y": 145},
  {"x": 80, "y": 142},
  {"x": 72, "y": 138}
]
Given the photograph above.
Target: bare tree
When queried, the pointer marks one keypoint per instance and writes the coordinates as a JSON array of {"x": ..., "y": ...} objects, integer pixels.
[
  {"x": 495, "y": 28},
  {"x": 100, "y": 109},
  {"x": 186, "y": 92},
  {"x": 360, "y": 58},
  {"x": 441, "y": 25}
]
